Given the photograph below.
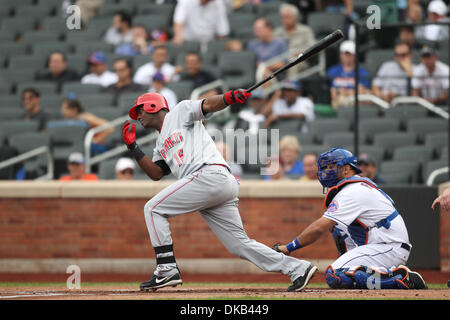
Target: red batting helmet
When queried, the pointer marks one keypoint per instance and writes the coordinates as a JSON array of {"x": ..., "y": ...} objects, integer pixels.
[{"x": 151, "y": 102}]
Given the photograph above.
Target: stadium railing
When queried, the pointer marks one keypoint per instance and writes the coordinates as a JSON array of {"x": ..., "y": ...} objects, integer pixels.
[{"x": 434, "y": 174}]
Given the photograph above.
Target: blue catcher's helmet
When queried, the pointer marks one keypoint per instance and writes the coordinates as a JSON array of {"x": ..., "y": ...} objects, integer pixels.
[{"x": 329, "y": 177}]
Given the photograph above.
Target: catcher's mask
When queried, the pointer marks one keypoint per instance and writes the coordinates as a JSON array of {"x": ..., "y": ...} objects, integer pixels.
[
  {"x": 151, "y": 102},
  {"x": 331, "y": 162}
]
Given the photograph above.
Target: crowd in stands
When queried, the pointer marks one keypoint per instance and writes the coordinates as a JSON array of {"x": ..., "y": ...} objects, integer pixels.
[{"x": 151, "y": 57}]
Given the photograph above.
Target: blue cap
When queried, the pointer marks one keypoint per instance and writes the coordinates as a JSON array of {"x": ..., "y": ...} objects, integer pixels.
[
  {"x": 158, "y": 76},
  {"x": 97, "y": 58},
  {"x": 291, "y": 85}
]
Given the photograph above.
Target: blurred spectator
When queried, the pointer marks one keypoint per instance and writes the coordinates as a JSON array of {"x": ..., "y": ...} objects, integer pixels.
[
  {"x": 437, "y": 12},
  {"x": 430, "y": 79},
  {"x": 125, "y": 168},
  {"x": 88, "y": 9},
  {"x": 288, "y": 160},
  {"x": 252, "y": 118},
  {"x": 266, "y": 45},
  {"x": 298, "y": 36},
  {"x": 58, "y": 70},
  {"x": 309, "y": 161},
  {"x": 100, "y": 74},
  {"x": 193, "y": 70},
  {"x": 443, "y": 201},
  {"x": 77, "y": 169},
  {"x": 158, "y": 85},
  {"x": 120, "y": 31},
  {"x": 14, "y": 172},
  {"x": 31, "y": 100},
  {"x": 342, "y": 76},
  {"x": 234, "y": 45},
  {"x": 406, "y": 35},
  {"x": 369, "y": 168},
  {"x": 71, "y": 109},
  {"x": 144, "y": 74},
  {"x": 139, "y": 45},
  {"x": 199, "y": 20},
  {"x": 393, "y": 77},
  {"x": 236, "y": 168},
  {"x": 124, "y": 84},
  {"x": 288, "y": 104},
  {"x": 413, "y": 12}
]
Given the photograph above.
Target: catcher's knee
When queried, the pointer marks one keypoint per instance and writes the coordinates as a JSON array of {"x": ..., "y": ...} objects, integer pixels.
[{"x": 338, "y": 279}]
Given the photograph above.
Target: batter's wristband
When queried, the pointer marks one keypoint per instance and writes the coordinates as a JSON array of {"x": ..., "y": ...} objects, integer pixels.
[
  {"x": 294, "y": 245},
  {"x": 135, "y": 151}
]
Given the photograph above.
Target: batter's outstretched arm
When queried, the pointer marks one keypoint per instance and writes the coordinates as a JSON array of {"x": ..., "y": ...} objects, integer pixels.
[
  {"x": 313, "y": 232},
  {"x": 220, "y": 102}
]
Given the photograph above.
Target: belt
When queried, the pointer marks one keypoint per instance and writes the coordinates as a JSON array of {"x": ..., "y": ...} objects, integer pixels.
[
  {"x": 405, "y": 246},
  {"x": 218, "y": 164}
]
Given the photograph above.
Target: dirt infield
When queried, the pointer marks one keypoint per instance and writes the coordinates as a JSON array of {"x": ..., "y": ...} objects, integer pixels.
[
  {"x": 193, "y": 291},
  {"x": 264, "y": 286}
]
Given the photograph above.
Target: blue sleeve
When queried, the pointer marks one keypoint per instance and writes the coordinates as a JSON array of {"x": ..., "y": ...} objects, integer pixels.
[{"x": 364, "y": 77}]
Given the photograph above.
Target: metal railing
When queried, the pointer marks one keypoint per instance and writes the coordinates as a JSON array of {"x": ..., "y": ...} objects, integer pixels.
[
  {"x": 209, "y": 86},
  {"x": 369, "y": 98},
  {"x": 434, "y": 174},
  {"x": 31, "y": 154},
  {"x": 422, "y": 102}
]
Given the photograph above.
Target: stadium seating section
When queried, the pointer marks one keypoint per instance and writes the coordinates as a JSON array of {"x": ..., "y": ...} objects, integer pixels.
[{"x": 407, "y": 141}]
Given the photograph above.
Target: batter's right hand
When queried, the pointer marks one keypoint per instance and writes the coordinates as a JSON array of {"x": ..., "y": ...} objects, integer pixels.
[{"x": 129, "y": 134}]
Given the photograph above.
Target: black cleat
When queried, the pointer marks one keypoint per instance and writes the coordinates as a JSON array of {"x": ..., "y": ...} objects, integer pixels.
[
  {"x": 160, "y": 282},
  {"x": 412, "y": 279},
  {"x": 301, "y": 282}
]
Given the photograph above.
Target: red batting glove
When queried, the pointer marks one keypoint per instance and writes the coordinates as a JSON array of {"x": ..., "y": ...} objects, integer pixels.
[
  {"x": 236, "y": 96},
  {"x": 129, "y": 134}
]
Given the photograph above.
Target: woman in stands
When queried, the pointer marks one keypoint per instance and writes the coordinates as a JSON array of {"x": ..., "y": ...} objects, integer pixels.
[{"x": 71, "y": 109}]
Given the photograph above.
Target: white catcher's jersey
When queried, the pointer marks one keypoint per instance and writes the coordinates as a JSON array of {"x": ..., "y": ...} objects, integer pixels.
[
  {"x": 357, "y": 208},
  {"x": 183, "y": 142}
]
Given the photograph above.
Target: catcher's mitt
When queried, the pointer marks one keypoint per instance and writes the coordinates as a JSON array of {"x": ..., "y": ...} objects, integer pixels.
[{"x": 275, "y": 247}]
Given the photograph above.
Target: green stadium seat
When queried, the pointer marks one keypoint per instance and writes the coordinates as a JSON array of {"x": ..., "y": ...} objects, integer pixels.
[
  {"x": 14, "y": 4},
  {"x": 53, "y": 4},
  {"x": 73, "y": 37},
  {"x": 55, "y": 24},
  {"x": 434, "y": 165},
  {"x": 52, "y": 104},
  {"x": 443, "y": 154},
  {"x": 287, "y": 126},
  {"x": 182, "y": 89},
  {"x": 5, "y": 12},
  {"x": 418, "y": 153},
  {"x": 30, "y": 63},
  {"x": 65, "y": 140},
  {"x": 78, "y": 63},
  {"x": 11, "y": 113},
  {"x": 35, "y": 12},
  {"x": 422, "y": 126},
  {"x": 42, "y": 86},
  {"x": 5, "y": 87},
  {"x": 45, "y": 48},
  {"x": 405, "y": 166},
  {"x": 338, "y": 139},
  {"x": 107, "y": 113},
  {"x": 12, "y": 48},
  {"x": 392, "y": 140},
  {"x": 6, "y": 36},
  {"x": 305, "y": 138},
  {"x": 365, "y": 112},
  {"x": 80, "y": 88},
  {"x": 375, "y": 58},
  {"x": 18, "y": 24},
  {"x": 244, "y": 8},
  {"x": 314, "y": 148},
  {"x": 376, "y": 152},
  {"x": 320, "y": 127},
  {"x": 241, "y": 20},
  {"x": 26, "y": 141},
  {"x": 89, "y": 99},
  {"x": 109, "y": 10},
  {"x": 127, "y": 100},
  {"x": 369, "y": 127},
  {"x": 9, "y": 127},
  {"x": 216, "y": 46},
  {"x": 392, "y": 178},
  {"x": 266, "y": 8},
  {"x": 275, "y": 19},
  {"x": 106, "y": 169},
  {"x": 163, "y": 10},
  {"x": 10, "y": 101},
  {"x": 405, "y": 113},
  {"x": 238, "y": 68},
  {"x": 323, "y": 23},
  {"x": 87, "y": 48},
  {"x": 140, "y": 60},
  {"x": 98, "y": 26}
]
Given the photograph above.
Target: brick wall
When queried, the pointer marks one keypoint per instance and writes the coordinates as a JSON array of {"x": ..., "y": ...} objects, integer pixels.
[{"x": 115, "y": 228}]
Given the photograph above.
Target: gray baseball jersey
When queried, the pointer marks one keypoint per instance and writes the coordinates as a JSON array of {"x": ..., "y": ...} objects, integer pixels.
[{"x": 183, "y": 142}]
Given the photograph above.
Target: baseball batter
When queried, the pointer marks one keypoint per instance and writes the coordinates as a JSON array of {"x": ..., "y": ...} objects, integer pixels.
[
  {"x": 369, "y": 232},
  {"x": 204, "y": 184}
]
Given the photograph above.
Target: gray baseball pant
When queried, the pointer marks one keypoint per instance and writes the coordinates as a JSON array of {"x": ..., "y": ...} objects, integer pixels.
[{"x": 212, "y": 191}]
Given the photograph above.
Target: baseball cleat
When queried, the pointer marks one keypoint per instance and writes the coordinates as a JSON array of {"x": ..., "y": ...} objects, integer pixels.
[
  {"x": 412, "y": 279},
  {"x": 301, "y": 282},
  {"x": 160, "y": 282}
]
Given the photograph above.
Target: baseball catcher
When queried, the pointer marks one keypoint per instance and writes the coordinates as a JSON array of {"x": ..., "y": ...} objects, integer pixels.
[
  {"x": 369, "y": 232},
  {"x": 204, "y": 184}
]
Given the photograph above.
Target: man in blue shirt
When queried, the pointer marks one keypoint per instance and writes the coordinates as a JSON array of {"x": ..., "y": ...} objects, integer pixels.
[
  {"x": 342, "y": 76},
  {"x": 266, "y": 45}
]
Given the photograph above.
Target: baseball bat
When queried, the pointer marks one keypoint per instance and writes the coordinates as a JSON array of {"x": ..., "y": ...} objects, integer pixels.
[{"x": 308, "y": 53}]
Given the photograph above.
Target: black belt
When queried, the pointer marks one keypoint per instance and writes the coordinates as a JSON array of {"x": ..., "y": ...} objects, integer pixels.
[{"x": 405, "y": 246}]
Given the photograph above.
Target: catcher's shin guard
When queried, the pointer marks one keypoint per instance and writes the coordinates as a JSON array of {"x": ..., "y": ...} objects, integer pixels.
[{"x": 338, "y": 279}]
